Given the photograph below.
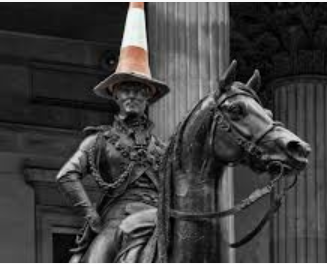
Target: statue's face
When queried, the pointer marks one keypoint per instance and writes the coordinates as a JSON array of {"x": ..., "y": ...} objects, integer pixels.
[{"x": 132, "y": 98}]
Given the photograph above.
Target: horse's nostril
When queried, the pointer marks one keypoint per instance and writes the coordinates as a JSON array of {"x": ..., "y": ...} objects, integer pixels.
[
  {"x": 296, "y": 148},
  {"x": 306, "y": 150}
]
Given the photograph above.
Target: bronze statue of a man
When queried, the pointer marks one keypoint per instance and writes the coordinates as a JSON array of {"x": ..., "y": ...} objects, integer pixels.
[{"x": 123, "y": 158}]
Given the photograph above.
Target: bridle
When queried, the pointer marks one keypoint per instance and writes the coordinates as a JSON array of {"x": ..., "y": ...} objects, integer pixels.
[
  {"x": 250, "y": 148},
  {"x": 252, "y": 151}
]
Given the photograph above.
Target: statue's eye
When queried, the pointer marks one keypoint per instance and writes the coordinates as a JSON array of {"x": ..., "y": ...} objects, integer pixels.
[{"x": 237, "y": 111}]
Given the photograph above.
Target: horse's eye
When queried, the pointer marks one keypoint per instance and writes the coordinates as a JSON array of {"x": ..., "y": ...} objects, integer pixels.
[{"x": 237, "y": 111}]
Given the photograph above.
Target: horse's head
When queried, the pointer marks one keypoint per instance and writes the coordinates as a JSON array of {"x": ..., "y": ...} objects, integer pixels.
[{"x": 244, "y": 131}]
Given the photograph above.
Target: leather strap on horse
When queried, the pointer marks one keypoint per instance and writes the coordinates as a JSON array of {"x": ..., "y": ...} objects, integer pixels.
[
  {"x": 268, "y": 216},
  {"x": 253, "y": 197},
  {"x": 273, "y": 209}
]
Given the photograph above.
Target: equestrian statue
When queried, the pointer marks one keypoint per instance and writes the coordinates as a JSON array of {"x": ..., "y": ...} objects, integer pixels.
[{"x": 161, "y": 203}]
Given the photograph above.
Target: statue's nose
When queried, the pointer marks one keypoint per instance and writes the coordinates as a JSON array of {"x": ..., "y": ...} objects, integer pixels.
[{"x": 298, "y": 149}]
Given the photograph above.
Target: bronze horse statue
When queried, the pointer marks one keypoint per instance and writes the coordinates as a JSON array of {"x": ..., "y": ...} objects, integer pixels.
[{"x": 227, "y": 127}]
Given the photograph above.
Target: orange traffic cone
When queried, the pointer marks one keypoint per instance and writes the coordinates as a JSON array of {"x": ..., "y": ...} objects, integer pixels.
[{"x": 133, "y": 65}]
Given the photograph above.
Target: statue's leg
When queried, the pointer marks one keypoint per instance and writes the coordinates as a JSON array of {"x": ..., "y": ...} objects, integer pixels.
[{"x": 105, "y": 246}]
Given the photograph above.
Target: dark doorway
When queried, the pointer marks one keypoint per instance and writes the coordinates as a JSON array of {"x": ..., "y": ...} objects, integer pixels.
[{"x": 61, "y": 245}]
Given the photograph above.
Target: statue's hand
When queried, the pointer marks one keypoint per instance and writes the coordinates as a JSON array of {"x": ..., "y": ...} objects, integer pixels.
[{"x": 94, "y": 220}]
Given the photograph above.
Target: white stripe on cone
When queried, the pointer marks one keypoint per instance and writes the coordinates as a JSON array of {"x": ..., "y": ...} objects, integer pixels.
[{"x": 135, "y": 32}]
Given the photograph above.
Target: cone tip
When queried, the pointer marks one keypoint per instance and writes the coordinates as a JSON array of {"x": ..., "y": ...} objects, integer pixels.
[{"x": 136, "y": 5}]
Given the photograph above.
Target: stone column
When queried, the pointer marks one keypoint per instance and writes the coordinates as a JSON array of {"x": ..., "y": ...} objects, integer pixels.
[
  {"x": 189, "y": 49},
  {"x": 299, "y": 232}
]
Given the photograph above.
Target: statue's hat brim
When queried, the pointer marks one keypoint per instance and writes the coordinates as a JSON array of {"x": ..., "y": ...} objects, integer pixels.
[{"x": 105, "y": 88}]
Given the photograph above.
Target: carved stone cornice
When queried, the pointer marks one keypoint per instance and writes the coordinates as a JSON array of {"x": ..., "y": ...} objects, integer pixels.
[{"x": 47, "y": 177}]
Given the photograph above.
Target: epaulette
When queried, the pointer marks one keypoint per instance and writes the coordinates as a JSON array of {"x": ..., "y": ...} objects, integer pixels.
[{"x": 95, "y": 129}]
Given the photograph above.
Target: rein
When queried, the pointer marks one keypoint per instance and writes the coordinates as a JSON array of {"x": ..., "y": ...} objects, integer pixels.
[
  {"x": 251, "y": 199},
  {"x": 253, "y": 151}
]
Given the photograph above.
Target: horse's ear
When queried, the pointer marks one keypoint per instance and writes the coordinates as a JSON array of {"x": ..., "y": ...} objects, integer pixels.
[
  {"x": 255, "y": 81},
  {"x": 228, "y": 77}
]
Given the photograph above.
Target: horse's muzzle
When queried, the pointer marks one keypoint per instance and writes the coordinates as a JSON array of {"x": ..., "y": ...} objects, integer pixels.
[{"x": 297, "y": 152}]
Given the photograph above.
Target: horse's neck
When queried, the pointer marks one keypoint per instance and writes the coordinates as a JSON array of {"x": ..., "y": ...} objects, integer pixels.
[
  {"x": 195, "y": 151},
  {"x": 193, "y": 186}
]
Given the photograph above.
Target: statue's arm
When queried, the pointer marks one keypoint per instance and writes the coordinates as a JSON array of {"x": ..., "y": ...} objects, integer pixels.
[{"x": 69, "y": 181}]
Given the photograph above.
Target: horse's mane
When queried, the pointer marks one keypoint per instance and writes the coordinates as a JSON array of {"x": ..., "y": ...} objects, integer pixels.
[{"x": 171, "y": 163}]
